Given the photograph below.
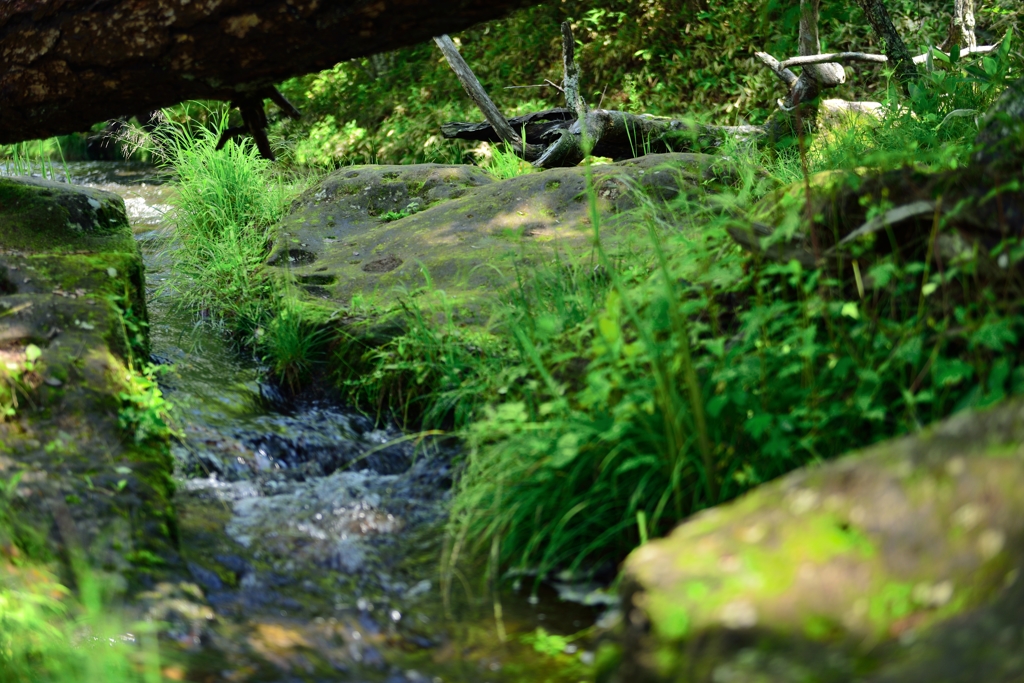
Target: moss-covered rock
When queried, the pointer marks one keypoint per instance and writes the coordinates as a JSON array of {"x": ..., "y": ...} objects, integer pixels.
[
  {"x": 369, "y": 230},
  {"x": 72, "y": 314},
  {"x": 900, "y": 562}
]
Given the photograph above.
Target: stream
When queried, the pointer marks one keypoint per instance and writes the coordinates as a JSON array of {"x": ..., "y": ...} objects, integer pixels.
[{"x": 312, "y": 538}]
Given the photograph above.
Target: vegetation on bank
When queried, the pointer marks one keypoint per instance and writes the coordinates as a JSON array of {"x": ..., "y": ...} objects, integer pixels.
[
  {"x": 611, "y": 397},
  {"x": 664, "y": 57}
]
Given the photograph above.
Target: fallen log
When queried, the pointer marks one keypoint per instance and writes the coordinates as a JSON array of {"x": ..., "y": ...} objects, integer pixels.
[
  {"x": 563, "y": 136},
  {"x": 67, "y": 64}
]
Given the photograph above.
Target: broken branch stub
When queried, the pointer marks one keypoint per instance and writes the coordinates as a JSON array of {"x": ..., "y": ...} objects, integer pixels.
[{"x": 571, "y": 79}]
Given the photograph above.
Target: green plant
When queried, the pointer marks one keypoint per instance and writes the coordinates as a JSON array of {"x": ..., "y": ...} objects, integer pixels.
[
  {"x": 292, "y": 343},
  {"x": 505, "y": 164},
  {"x": 22, "y": 159},
  {"x": 17, "y": 377},
  {"x": 51, "y": 634},
  {"x": 226, "y": 202},
  {"x": 409, "y": 210},
  {"x": 145, "y": 413}
]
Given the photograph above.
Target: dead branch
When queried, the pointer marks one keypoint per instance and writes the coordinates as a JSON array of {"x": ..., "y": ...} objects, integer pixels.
[
  {"x": 538, "y": 126},
  {"x": 850, "y": 57},
  {"x": 784, "y": 74},
  {"x": 483, "y": 101},
  {"x": 571, "y": 79}
]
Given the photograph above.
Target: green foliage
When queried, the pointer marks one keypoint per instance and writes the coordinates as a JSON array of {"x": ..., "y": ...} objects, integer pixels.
[
  {"x": 613, "y": 396},
  {"x": 145, "y": 414},
  {"x": 680, "y": 57},
  {"x": 17, "y": 377},
  {"x": 50, "y": 634},
  {"x": 504, "y": 163},
  {"x": 933, "y": 128},
  {"x": 292, "y": 343},
  {"x": 616, "y": 395},
  {"x": 433, "y": 375},
  {"x": 686, "y": 386},
  {"x": 225, "y": 204},
  {"x": 35, "y": 158}
]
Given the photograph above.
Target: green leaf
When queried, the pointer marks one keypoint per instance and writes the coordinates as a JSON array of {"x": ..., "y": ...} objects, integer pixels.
[
  {"x": 951, "y": 371},
  {"x": 32, "y": 353},
  {"x": 759, "y": 424}
]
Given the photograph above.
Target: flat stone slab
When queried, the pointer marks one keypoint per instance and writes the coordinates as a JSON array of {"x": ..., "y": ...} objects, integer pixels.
[
  {"x": 373, "y": 231},
  {"x": 70, "y": 273},
  {"x": 897, "y": 563}
]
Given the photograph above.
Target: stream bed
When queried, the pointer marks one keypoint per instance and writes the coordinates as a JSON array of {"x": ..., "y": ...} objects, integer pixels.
[{"x": 311, "y": 538}]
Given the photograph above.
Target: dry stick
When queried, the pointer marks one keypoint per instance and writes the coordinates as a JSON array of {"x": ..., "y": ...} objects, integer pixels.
[
  {"x": 571, "y": 79},
  {"x": 479, "y": 96},
  {"x": 846, "y": 57},
  {"x": 784, "y": 74}
]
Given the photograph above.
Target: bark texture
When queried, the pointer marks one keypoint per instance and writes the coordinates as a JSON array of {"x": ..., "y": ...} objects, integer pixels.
[
  {"x": 961, "y": 26},
  {"x": 66, "y": 64},
  {"x": 895, "y": 49}
]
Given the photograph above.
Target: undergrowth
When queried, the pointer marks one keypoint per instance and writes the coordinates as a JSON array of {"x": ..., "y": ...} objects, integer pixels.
[{"x": 613, "y": 396}]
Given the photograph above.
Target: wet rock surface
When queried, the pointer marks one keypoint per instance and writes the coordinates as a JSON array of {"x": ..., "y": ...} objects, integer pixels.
[
  {"x": 901, "y": 562},
  {"x": 70, "y": 274}
]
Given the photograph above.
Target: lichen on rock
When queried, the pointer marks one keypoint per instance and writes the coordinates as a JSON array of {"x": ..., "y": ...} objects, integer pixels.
[{"x": 846, "y": 571}]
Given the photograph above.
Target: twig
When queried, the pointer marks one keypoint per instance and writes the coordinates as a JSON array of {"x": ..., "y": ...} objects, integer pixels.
[
  {"x": 545, "y": 84},
  {"x": 839, "y": 57}
]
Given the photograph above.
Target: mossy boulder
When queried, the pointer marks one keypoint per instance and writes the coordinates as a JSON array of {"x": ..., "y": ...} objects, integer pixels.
[
  {"x": 900, "y": 562},
  {"x": 371, "y": 231},
  {"x": 72, "y": 316}
]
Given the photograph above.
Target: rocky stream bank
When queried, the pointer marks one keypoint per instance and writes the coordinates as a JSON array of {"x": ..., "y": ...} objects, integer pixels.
[{"x": 299, "y": 541}]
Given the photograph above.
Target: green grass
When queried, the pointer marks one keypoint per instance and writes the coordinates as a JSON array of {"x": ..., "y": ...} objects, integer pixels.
[
  {"x": 504, "y": 163},
  {"x": 50, "y": 633},
  {"x": 226, "y": 202}
]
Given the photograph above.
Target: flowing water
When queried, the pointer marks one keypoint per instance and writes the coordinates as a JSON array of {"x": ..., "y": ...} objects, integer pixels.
[{"x": 311, "y": 538}]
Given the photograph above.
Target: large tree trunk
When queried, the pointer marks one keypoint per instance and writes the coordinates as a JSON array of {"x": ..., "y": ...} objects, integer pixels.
[{"x": 66, "y": 64}]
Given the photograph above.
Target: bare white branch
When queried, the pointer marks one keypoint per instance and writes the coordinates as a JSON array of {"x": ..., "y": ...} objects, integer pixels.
[
  {"x": 785, "y": 75},
  {"x": 846, "y": 57}
]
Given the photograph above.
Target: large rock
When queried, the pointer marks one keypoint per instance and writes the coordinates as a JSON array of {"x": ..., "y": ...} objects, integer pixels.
[
  {"x": 369, "y": 230},
  {"x": 898, "y": 563},
  {"x": 71, "y": 287}
]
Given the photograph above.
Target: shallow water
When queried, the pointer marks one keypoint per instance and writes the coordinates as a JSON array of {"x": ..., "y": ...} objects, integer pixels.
[{"x": 311, "y": 537}]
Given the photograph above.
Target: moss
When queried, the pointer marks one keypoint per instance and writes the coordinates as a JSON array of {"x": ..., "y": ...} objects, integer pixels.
[
  {"x": 83, "y": 305},
  {"x": 44, "y": 216}
]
